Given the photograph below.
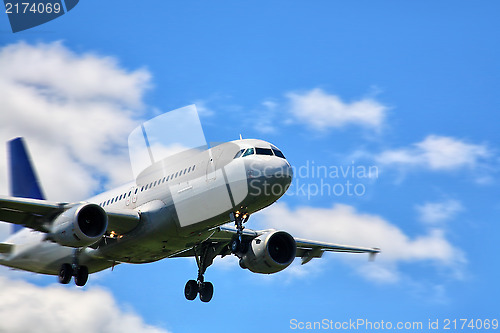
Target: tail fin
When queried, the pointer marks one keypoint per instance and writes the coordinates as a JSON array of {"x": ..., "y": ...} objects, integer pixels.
[{"x": 23, "y": 179}]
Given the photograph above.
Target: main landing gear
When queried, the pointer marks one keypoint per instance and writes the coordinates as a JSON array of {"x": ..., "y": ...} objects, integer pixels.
[
  {"x": 81, "y": 273},
  {"x": 205, "y": 254}
]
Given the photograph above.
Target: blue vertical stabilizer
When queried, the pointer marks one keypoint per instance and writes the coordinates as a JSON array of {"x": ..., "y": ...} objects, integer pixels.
[{"x": 23, "y": 179}]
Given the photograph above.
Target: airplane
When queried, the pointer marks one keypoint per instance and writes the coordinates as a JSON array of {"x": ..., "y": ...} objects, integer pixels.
[{"x": 179, "y": 206}]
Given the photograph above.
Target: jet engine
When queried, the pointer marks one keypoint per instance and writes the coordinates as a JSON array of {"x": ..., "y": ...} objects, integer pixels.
[
  {"x": 269, "y": 253},
  {"x": 79, "y": 226}
]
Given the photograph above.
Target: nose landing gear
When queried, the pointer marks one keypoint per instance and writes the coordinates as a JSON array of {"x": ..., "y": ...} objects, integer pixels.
[{"x": 237, "y": 245}]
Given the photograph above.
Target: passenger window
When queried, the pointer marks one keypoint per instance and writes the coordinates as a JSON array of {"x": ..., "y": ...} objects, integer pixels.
[
  {"x": 136, "y": 190},
  {"x": 176, "y": 174},
  {"x": 249, "y": 151},
  {"x": 238, "y": 154},
  {"x": 129, "y": 193},
  {"x": 185, "y": 170},
  {"x": 154, "y": 183},
  {"x": 193, "y": 167},
  {"x": 189, "y": 170}
]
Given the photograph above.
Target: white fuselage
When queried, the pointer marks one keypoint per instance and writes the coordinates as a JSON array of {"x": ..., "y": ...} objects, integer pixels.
[{"x": 180, "y": 201}]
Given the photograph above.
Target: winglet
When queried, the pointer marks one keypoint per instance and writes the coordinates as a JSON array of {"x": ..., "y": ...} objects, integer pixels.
[{"x": 23, "y": 179}]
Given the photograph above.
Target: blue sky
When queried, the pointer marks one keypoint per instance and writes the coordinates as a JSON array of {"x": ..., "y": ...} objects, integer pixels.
[{"x": 410, "y": 88}]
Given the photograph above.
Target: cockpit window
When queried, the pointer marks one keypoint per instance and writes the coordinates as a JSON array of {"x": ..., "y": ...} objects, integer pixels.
[
  {"x": 278, "y": 153},
  {"x": 260, "y": 151},
  {"x": 238, "y": 154},
  {"x": 264, "y": 151},
  {"x": 249, "y": 151}
]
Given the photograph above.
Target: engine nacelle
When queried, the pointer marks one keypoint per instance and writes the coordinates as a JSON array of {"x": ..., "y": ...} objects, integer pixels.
[
  {"x": 79, "y": 226},
  {"x": 269, "y": 253}
]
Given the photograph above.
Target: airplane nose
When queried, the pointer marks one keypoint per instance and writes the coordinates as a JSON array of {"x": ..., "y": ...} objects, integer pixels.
[
  {"x": 281, "y": 177},
  {"x": 284, "y": 174}
]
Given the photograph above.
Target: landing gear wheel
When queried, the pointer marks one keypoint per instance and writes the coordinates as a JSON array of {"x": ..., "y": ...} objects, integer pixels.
[
  {"x": 65, "y": 273},
  {"x": 206, "y": 291},
  {"x": 191, "y": 290},
  {"x": 235, "y": 245},
  {"x": 81, "y": 276}
]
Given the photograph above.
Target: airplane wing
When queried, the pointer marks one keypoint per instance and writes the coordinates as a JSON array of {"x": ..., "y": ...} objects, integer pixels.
[
  {"x": 306, "y": 249},
  {"x": 38, "y": 214}
]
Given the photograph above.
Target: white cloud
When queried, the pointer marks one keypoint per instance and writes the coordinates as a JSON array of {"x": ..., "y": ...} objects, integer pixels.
[
  {"x": 75, "y": 111},
  {"x": 62, "y": 73},
  {"x": 203, "y": 109},
  {"x": 323, "y": 111},
  {"x": 438, "y": 212},
  {"x": 29, "y": 308},
  {"x": 265, "y": 121},
  {"x": 343, "y": 224},
  {"x": 436, "y": 153}
]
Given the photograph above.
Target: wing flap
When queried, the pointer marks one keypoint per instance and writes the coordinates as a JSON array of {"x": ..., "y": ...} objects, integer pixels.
[
  {"x": 308, "y": 244},
  {"x": 308, "y": 250},
  {"x": 6, "y": 248},
  {"x": 122, "y": 221}
]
